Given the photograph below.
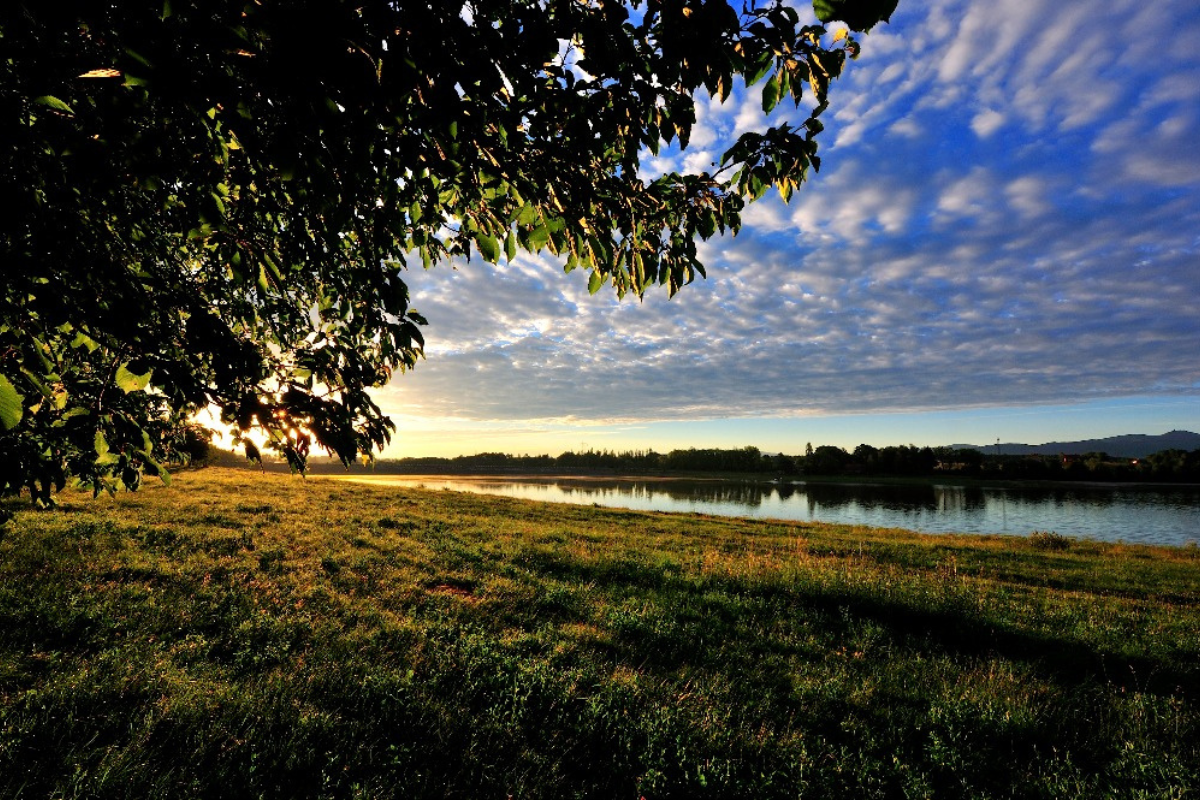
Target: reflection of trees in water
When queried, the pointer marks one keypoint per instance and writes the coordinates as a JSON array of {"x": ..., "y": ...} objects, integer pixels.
[
  {"x": 889, "y": 498},
  {"x": 832, "y": 496},
  {"x": 959, "y": 498},
  {"x": 1103, "y": 497},
  {"x": 747, "y": 494},
  {"x": 1125, "y": 512}
]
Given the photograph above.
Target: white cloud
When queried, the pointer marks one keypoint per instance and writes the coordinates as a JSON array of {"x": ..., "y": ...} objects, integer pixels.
[
  {"x": 972, "y": 195},
  {"x": 1008, "y": 216},
  {"x": 987, "y": 122},
  {"x": 906, "y": 127},
  {"x": 1029, "y": 196}
]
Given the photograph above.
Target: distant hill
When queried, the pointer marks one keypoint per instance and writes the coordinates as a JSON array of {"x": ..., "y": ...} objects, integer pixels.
[{"x": 1131, "y": 445}]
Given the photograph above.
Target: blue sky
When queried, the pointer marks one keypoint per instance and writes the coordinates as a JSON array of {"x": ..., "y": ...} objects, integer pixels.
[{"x": 1003, "y": 243}]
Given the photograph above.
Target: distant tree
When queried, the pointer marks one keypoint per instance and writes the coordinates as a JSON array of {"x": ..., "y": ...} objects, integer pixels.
[
  {"x": 1171, "y": 465},
  {"x": 194, "y": 443},
  {"x": 867, "y": 457},
  {"x": 925, "y": 459},
  {"x": 211, "y": 202},
  {"x": 827, "y": 460},
  {"x": 745, "y": 459},
  {"x": 1075, "y": 469},
  {"x": 783, "y": 464},
  {"x": 970, "y": 460},
  {"x": 1032, "y": 468}
]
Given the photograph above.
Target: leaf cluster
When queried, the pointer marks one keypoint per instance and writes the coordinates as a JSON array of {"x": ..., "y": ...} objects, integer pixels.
[{"x": 220, "y": 197}]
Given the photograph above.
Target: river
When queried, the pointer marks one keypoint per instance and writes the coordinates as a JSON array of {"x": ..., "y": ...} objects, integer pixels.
[{"x": 1134, "y": 514}]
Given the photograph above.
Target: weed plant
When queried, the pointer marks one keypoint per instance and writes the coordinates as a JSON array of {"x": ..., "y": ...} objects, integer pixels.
[{"x": 243, "y": 635}]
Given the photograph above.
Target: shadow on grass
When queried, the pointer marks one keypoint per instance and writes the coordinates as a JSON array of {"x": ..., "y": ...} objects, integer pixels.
[{"x": 693, "y": 612}]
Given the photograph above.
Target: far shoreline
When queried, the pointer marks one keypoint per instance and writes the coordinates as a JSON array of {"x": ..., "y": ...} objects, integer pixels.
[{"x": 823, "y": 480}]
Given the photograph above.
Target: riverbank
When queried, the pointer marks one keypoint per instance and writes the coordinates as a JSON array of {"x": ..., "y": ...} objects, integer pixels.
[
  {"x": 383, "y": 469},
  {"x": 249, "y": 634},
  {"x": 1145, "y": 515},
  {"x": 737, "y": 477}
]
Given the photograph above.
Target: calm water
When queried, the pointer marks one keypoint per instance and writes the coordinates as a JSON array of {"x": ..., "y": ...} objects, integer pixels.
[{"x": 1136, "y": 515}]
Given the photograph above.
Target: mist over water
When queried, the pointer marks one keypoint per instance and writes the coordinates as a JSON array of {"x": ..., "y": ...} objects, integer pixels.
[{"x": 1140, "y": 515}]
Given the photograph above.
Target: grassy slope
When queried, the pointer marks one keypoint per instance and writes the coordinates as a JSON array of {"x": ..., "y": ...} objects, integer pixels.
[{"x": 261, "y": 635}]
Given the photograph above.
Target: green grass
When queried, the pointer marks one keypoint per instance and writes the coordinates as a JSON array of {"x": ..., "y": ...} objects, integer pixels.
[{"x": 243, "y": 635}]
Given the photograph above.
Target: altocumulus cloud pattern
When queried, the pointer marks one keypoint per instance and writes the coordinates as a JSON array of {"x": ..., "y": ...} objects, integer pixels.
[{"x": 1007, "y": 214}]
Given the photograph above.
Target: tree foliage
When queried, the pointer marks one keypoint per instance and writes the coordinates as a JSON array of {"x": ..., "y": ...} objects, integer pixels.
[{"x": 215, "y": 200}]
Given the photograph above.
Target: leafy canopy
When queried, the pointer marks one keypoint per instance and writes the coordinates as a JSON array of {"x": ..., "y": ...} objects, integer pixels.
[{"x": 215, "y": 200}]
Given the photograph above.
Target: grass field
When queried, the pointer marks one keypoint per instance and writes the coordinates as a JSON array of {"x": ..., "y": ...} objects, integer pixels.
[{"x": 245, "y": 635}]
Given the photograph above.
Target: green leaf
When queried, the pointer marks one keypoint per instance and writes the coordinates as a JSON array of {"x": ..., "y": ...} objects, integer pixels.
[
  {"x": 153, "y": 467},
  {"x": 50, "y": 101},
  {"x": 770, "y": 95},
  {"x": 100, "y": 443},
  {"x": 539, "y": 237},
  {"x": 489, "y": 247},
  {"x": 527, "y": 215},
  {"x": 128, "y": 381},
  {"x": 11, "y": 405},
  {"x": 859, "y": 15},
  {"x": 758, "y": 185},
  {"x": 83, "y": 340},
  {"x": 37, "y": 381},
  {"x": 760, "y": 70},
  {"x": 596, "y": 281}
]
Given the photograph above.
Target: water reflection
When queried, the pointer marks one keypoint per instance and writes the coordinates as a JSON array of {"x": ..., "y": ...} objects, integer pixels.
[
  {"x": 750, "y": 495},
  {"x": 1169, "y": 515},
  {"x": 959, "y": 499}
]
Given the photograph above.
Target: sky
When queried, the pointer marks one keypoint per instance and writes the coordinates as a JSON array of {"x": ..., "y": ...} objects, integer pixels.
[{"x": 1003, "y": 243}]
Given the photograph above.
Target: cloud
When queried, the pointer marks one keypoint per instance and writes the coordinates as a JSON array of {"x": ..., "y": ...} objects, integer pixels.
[
  {"x": 1007, "y": 214},
  {"x": 987, "y": 122}
]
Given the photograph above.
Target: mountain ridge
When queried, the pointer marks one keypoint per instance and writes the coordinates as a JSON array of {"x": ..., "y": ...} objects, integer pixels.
[{"x": 1129, "y": 445}]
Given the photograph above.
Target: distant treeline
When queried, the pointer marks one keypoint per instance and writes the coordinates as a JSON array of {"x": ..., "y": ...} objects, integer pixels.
[{"x": 827, "y": 460}]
